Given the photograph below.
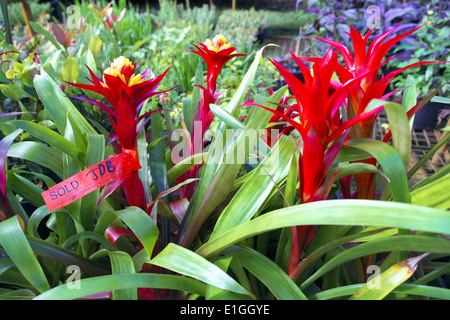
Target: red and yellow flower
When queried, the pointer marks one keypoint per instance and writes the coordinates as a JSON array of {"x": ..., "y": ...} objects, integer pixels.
[
  {"x": 216, "y": 54},
  {"x": 126, "y": 91}
]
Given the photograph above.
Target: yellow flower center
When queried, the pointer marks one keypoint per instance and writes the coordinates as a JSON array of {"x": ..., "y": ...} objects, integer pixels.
[
  {"x": 116, "y": 69},
  {"x": 135, "y": 79},
  {"x": 219, "y": 43}
]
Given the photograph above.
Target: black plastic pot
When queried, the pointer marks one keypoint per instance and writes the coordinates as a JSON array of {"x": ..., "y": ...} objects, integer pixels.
[
  {"x": 427, "y": 117},
  {"x": 281, "y": 83}
]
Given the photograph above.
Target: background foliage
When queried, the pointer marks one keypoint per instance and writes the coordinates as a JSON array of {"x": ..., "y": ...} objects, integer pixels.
[{"x": 233, "y": 240}]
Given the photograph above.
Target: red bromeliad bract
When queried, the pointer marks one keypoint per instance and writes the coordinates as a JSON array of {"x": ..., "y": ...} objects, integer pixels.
[
  {"x": 216, "y": 54},
  {"x": 363, "y": 59},
  {"x": 125, "y": 91},
  {"x": 277, "y": 124},
  {"x": 369, "y": 87},
  {"x": 318, "y": 101}
]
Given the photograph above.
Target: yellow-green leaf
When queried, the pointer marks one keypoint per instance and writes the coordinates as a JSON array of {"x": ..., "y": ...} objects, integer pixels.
[
  {"x": 95, "y": 46},
  {"x": 384, "y": 283},
  {"x": 70, "y": 69}
]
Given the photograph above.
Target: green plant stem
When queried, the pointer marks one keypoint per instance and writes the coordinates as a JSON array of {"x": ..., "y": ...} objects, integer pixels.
[
  {"x": 359, "y": 270},
  {"x": 4, "y": 8},
  {"x": 433, "y": 275}
]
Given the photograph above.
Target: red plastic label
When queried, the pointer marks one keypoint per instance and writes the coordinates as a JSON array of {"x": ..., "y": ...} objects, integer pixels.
[{"x": 90, "y": 179}]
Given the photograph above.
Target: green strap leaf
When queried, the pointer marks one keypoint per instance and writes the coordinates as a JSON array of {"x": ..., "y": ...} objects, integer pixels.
[
  {"x": 94, "y": 285},
  {"x": 5, "y": 264},
  {"x": 121, "y": 263},
  {"x": 399, "y": 125},
  {"x": 158, "y": 168},
  {"x": 100, "y": 238},
  {"x": 410, "y": 96},
  {"x": 424, "y": 291},
  {"x": 410, "y": 289},
  {"x": 215, "y": 186},
  {"x": 355, "y": 168},
  {"x": 184, "y": 261},
  {"x": 18, "y": 250},
  {"x": 433, "y": 194},
  {"x": 57, "y": 253},
  {"x": 36, "y": 218},
  {"x": 312, "y": 258},
  {"x": 27, "y": 189},
  {"x": 141, "y": 225},
  {"x": 391, "y": 163},
  {"x": 253, "y": 193},
  {"x": 189, "y": 109},
  {"x": 226, "y": 117},
  {"x": 143, "y": 160},
  {"x": 16, "y": 294},
  {"x": 95, "y": 154},
  {"x": 49, "y": 136},
  {"x": 61, "y": 109},
  {"x": 383, "y": 284},
  {"x": 38, "y": 153},
  {"x": 278, "y": 282},
  {"x": 184, "y": 165},
  {"x": 336, "y": 212},
  {"x": 397, "y": 243}
]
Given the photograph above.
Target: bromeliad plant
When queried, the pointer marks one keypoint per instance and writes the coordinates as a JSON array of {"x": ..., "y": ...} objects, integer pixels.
[
  {"x": 320, "y": 120},
  {"x": 369, "y": 87},
  {"x": 215, "y": 54},
  {"x": 238, "y": 237},
  {"x": 126, "y": 91},
  {"x": 319, "y": 124}
]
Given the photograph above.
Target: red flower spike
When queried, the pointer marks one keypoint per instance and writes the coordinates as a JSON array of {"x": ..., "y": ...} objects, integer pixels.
[
  {"x": 368, "y": 87},
  {"x": 125, "y": 91},
  {"x": 312, "y": 166},
  {"x": 216, "y": 54},
  {"x": 318, "y": 101},
  {"x": 361, "y": 94},
  {"x": 314, "y": 116},
  {"x": 283, "y": 129}
]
